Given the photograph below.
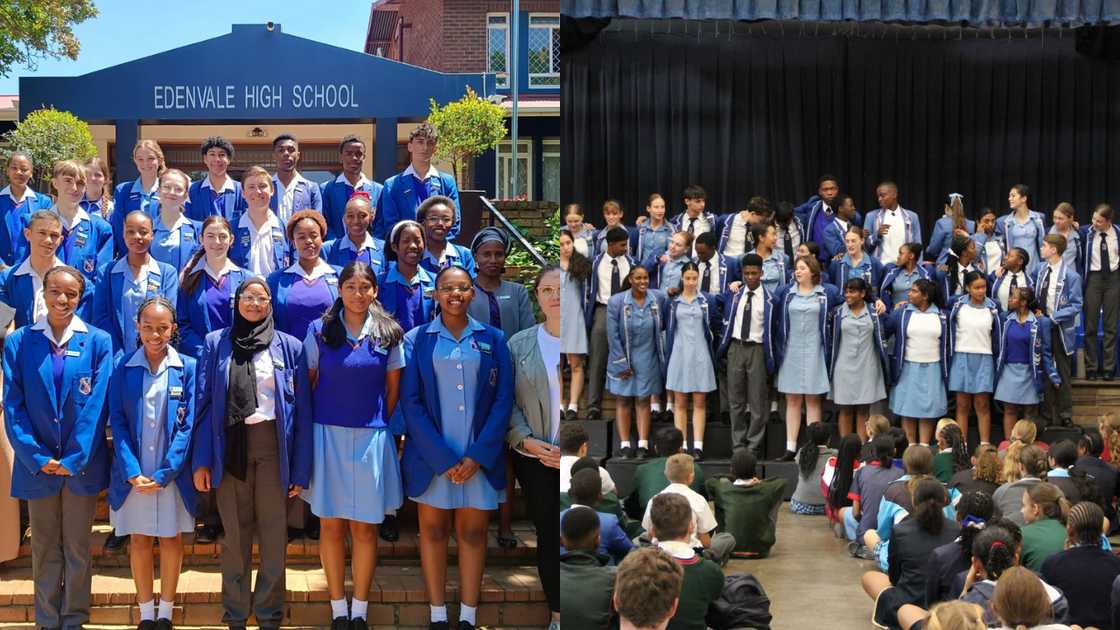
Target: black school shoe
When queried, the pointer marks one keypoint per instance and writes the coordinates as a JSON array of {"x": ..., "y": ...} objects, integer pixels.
[
  {"x": 437, "y": 625},
  {"x": 207, "y": 534},
  {"x": 789, "y": 456},
  {"x": 465, "y": 625},
  {"x": 570, "y": 414},
  {"x": 388, "y": 530},
  {"x": 114, "y": 543},
  {"x": 593, "y": 413},
  {"x": 340, "y": 623},
  {"x": 359, "y": 623},
  {"x": 164, "y": 624},
  {"x": 698, "y": 454},
  {"x": 147, "y": 624},
  {"x": 643, "y": 452}
]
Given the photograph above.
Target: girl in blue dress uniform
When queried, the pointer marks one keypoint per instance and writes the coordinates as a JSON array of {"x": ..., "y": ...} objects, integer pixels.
[
  {"x": 176, "y": 237},
  {"x": 1021, "y": 227},
  {"x": 802, "y": 311},
  {"x": 354, "y": 360},
  {"x": 125, "y": 284},
  {"x": 209, "y": 282},
  {"x": 438, "y": 215},
  {"x": 357, "y": 243},
  {"x": 457, "y": 393},
  {"x": 856, "y": 346},
  {"x": 921, "y": 370},
  {"x": 99, "y": 190},
  {"x": 87, "y": 240},
  {"x": 575, "y": 270},
  {"x": 307, "y": 289},
  {"x": 857, "y": 263},
  {"x": 974, "y": 338},
  {"x": 1064, "y": 220},
  {"x": 406, "y": 287},
  {"x": 583, "y": 235},
  {"x": 665, "y": 269},
  {"x": 139, "y": 193},
  {"x": 259, "y": 241},
  {"x": 775, "y": 264},
  {"x": 960, "y": 260},
  {"x": 151, "y": 412},
  {"x": 17, "y": 203},
  {"x": 21, "y": 287},
  {"x": 651, "y": 239},
  {"x": 1025, "y": 362},
  {"x": 690, "y": 370},
  {"x": 56, "y": 375}
]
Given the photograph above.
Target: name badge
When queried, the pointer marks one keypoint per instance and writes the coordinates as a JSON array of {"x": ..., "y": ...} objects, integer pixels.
[
  {"x": 175, "y": 392},
  {"x": 278, "y": 364},
  {"x": 483, "y": 347},
  {"x": 73, "y": 353},
  {"x": 187, "y": 236},
  {"x": 277, "y": 238},
  {"x": 245, "y": 239},
  {"x": 428, "y": 292},
  {"x": 378, "y": 348},
  {"x": 332, "y": 280}
]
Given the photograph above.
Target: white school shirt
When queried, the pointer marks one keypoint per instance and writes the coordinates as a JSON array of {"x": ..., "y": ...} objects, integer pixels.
[
  {"x": 702, "y": 516},
  {"x": 287, "y": 195},
  {"x": 974, "y": 330},
  {"x": 923, "y": 336},
  {"x": 40, "y": 307},
  {"x": 27, "y": 194},
  {"x": 895, "y": 237},
  {"x": 736, "y": 237},
  {"x": 1051, "y": 296},
  {"x": 1095, "y": 249},
  {"x": 604, "y": 272},
  {"x": 566, "y": 462},
  {"x": 711, "y": 267},
  {"x": 76, "y": 325},
  {"x": 757, "y": 315},
  {"x": 1005, "y": 286},
  {"x": 260, "y": 244},
  {"x": 266, "y": 388},
  {"x": 550, "y": 354}
]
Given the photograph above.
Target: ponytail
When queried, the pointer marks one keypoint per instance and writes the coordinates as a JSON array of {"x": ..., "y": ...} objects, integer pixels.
[
  {"x": 807, "y": 457},
  {"x": 929, "y": 498}
]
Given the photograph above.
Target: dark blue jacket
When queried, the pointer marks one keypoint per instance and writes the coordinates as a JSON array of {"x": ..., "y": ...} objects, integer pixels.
[
  {"x": 891, "y": 271},
  {"x": 839, "y": 271},
  {"x": 13, "y": 244},
  {"x": 307, "y": 196},
  {"x": 768, "y": 313},
  {"x": 1042, "y": 360},
  {"x": 194, "y": 316},
  {"x": 942, "y": 236},
  {"x": 200, "y": 203},
  {"x": 782, "y": 298},
  {"x": 399, "y": 202},
  {"x": 336, "y": 193},
  {"x": 108, "y": 314}
]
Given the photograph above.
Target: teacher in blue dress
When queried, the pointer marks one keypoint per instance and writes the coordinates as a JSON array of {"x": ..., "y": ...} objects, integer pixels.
[{"x": 457, "y": 393}]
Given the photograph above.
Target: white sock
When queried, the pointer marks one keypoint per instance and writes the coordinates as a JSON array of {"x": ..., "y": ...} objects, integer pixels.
[
  {"x": 698, "y": 445},
  {"x": 573, "y": 406},
  {"x": 669, "y": 406},
  {"x": 643, "y": 443},
  {"x": 358, "y": 609},
  {"x": 624, "y": 444},
  {"x": 655, "y": 407},
  {"x": 466, "y": 613},
  {"x": 338, "y": 608},
  {"x": 791, "y": 446},
  {"x": 165, "y": 608},
  {"x": 773, "y": 406},
  {"x": 439, "y": 613},
  {"x": 148, "y": 610}
]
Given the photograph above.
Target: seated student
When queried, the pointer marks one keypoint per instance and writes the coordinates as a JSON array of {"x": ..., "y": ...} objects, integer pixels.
[
  {"x": 952, "y": 454},
  {"x": 608, "y": 501},
  {"x": 950, "y": 560},
  {"x": 901, "y": 443},
  {"x": 1023, "y": 468},
  {"x": 1090, "y": 447},
  {"x": 747, "y": 507},
  {"x": 836, "y": 480},
  {"x": 1044, "y": 510},
  {"x": 1073, "y": 483},
  {"x": 647, "y": 589},
  {"x": 586, "y": 489},
  {"x": 1025, "y": 432},
  {"x": 649, "y": 478},
  {"x": 984, "y": 474},
  {"x": 876, "y": 425},
  {"x": 716, "y": 547},
  {"x": 914, "y": 539},
  {"x": 1020, "y": 601},
  {"x": 868, "y": 486},
  {"x": 673, "y": 526},
  {"x": 1084, "y": 571},
  {"x": 586, "y": 581},
  {"x": 574, "y": 442},
  {"x": 438, "y": 214},
  {"x": 811, "y": 459},
  {"x": 357, "y": 243}
]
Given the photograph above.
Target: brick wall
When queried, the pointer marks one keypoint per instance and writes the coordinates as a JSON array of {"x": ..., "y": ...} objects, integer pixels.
[
  {"x": 530, "y": 215},
  {"x": 423, "y": 41}
]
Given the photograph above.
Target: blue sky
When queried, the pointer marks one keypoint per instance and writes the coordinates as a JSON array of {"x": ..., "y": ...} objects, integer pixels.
[{"x": 130, "y": 29}]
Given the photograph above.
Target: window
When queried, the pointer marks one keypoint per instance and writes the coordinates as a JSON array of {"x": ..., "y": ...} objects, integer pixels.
[
  {"x": 504, "y": 185},
  {"x": 550, "y": 170},
  {"x": 497, "y": 47},
  {"x": 544, "y": 50}
]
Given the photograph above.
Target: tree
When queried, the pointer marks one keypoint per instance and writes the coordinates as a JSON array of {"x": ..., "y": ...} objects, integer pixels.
[
  {"x": 31, "y": 29},
  {"x": 49, "y": 135},
  {"x": 467, "y": 128}
]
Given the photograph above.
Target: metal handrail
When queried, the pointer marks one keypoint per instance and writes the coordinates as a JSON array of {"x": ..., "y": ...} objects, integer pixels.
[{"x": 513, "y": 231}]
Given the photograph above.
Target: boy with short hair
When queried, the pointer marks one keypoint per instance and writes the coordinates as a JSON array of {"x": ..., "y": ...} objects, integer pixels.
[
  {"x": 586, "y": 581},
  {"x": 647, "y": 589},
  {"x": 674, "y": 525},
  {"x": 608, "y": 271},
  {"x": 608, "y": 501},
  {"x": 747, "y": 507},
  {"x": 695, "y": 219},
  {"x": 679, "y": 472},
  {"x": 574, "y": 443},
  {"x": 649, "y": 478},
  {"x": 585, "y": 492}
]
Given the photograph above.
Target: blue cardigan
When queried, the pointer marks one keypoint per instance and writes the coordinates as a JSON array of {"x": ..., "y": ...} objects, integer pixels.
[
  {"x": 399, "y": 202},
  {"x": 41, "y": 427},
  {"x": 899, "y": 322},
  {"x": 1042, "y": 359},
  {"x": 126, "y": 414},
  {"x": 293, "y": 436},
  {"x": 425, "y": 452}
]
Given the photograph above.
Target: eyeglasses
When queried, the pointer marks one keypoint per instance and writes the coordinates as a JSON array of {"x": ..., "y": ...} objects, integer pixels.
[
  {"x": 253, "y": 301},
  {"x": 549, "y": 292}
]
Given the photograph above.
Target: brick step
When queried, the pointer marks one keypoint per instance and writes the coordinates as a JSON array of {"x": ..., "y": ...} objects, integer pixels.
[
  {"x": 511, "y": 596},
  {"x": 304, "y": 550}
]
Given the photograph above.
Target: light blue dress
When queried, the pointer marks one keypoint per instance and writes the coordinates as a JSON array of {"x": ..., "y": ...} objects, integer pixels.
[
  {"x": 803, "y": 369},
  {"x": 774, "y": 269},
  {"x": 1023, "y": 235},
  {"x": 1073, "y": 246},
  {"x": 858, "y": 377},
  {"x": 133, "y": 293},
  {"x": 671, "y": 273},
  {"x": 573, "y": 326},
  {"x": 456, "y": 368},
  {"x": 161, "y": 514},
  {"x": 690, "y": 365},
  {"x": 644, "y": 359}
]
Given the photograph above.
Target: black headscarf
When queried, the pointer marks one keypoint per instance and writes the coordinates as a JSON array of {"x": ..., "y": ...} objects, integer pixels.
[{"x": 247, "y": 338}]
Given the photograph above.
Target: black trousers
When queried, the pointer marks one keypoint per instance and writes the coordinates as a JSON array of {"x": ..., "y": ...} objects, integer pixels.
[{"x": 539, "y": 484}]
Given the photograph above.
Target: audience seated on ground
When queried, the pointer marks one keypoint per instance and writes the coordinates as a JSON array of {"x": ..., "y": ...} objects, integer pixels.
[
  {"x": 952, "y": 453},
  {"x": 949, "y": 561},
  {"x": 673, "y": 526},
  {"x": 679, "y": 471},
  {"x": 608, "y": 501},
  {"x": 984, "y": 474},
  {"x": 1025, "y": 432},
  {"x": 1023, "y": 467},
  {"x": 586, "y": 582},
  {"x": 647, "y": 588},
  {"x": 1020, "y": 601},
  {"x": 584, "y": 491},
  {"x": 649, "y": 478},
  {"x": 876, "y": 425},
  {"x": 867, "y": 490},
  {"x": 1073, "y": 483},
  {"x": 955, "y": 615},
  {"x": 1044, "y": 512},
  {"x": 747, "y": 507},
  {"x": 1089, "y": 449},
  {"x": 836, "y": 480},
  {"x": 811, "y": 459},
  {"x": 574, "y": 443},
  {"x": 1085, "y": 572}
]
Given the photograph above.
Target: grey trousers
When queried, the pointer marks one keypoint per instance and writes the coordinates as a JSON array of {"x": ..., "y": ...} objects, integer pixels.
[
  {"x": 60, "y": 558},
  {"x": 747, "y": 389},
  {"x": 1057, "y": 403},
  {"x": 597, "y": 358},
  {"x": 1102, "y": 291},
  {"x": 719, "y": 552},
  {"x": 256, "y": 505}
]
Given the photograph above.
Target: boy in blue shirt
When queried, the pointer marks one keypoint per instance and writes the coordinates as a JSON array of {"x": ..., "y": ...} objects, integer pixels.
[{"x": 584, "y": 492}]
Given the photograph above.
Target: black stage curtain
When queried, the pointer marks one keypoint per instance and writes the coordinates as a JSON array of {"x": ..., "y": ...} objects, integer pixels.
[{"x": 766, "y": 113}]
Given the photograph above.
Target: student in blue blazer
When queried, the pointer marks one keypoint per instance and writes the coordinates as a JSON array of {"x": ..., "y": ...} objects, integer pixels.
[
  {"x": 690, "y": 372},
  {"x": 1059, "y": 298},
  {"x": 608, "y": 271},
  {"x": 815, "y": 213},
  {"x": 404, "y": 192},
  {"x": 836, "y": 230},
  {"x": 775, "y": 265},
  {"x": 952, "y": 223},
  {"x": 217, "y": 193},
  {"x": 139, "y": 193},
  {"x": 901, "y": 274},
  {"x": 252, "y": 448},
  {"x": 1015, "y": 272},
  {"x": 856, "y": 345},
  {"x": 960, "y": 261},
  {"x": 855, "y": 262},
  {"x": 87, "y": 240},
  {"x": 151, "y": 412},
  {"x": 737, "y": 234},
  {"x": 717, "y": 271},
  {"x": 406, "y": 287},
  {"x": 650, "y": 238},
  {"x": 294, "y": 192},
  {"x": 790, "y": 229},
  {"x": 1100, "y": 282},
  {"x": 974, "y": 343},
  {"x": 457, "y": 394},
  {"x": 351, "y": 154},
  {"x": 207, "y": 286},
  {"x": 56, "y": 375},
  {"x": 307, "y": 289},
  {"x": 176, "y": 238},
  {"x": 123, "y": 285},
  {"x": 921, "y": 365},
  {"x": 665, "y": 270},
  {"x": 1025, "y": 363},
  {"x": 989, "y": 247},
  {"x": 612, "y": 218},
  {"x": 1021, "y": 226},
  {"x": 21, "y": 287},
  {"x": 17, "y": 203},
  {"x": 890, "y": 225},
  {"x": 438, "y": 214},
  {"x": 260, "y": 243},
  {"x": 696, "y": 219},
  {"x": 357, "y": 243}
]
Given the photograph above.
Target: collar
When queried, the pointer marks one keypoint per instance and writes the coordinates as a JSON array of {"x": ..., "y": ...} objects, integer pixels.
[
  {"x": 27, "y": 194},
  {"x": 432, "y": 172},
  {"x": 1058, "y": 472},
  {"x": 79, "y": 216},
  {"x": 171, "y": 360},
  {"x": 863, "y": 262},
  {"x": 321, "y": 269},
  {"x": 76, "y": 325},
  {"x": 1014, "y": 317},
  {"x": 297, "y": 179},
  {"x": 272, "y": 222},
  {"x": 362, "y": 180},
  {"x": 228, "y": 185},
  {"x": 215, "y": 274},
  {"x": 677, "y": 549},
  {"x": 746, "y": 483},
  {"x": 437, "y": 327},
  {"x": 121, "y": 266},
  {"x": 449, "y": 251},
  {"x": 932, "y": 309},
  {"x": 629, "y": 298},
  {"x": 422, "y": 276},
  {"x": 26, "y": 269},
  {"x": 139, "y": 185},
  {"x": 179, "y": 222},
  {"x": 369, "y": 243}
]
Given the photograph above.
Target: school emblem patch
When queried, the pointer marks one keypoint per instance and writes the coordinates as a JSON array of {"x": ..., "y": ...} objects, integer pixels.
[
  {"x": 89, "y": 265},
  {"x": 181, "y": 415},
  {"x": 85, "y": 385}
]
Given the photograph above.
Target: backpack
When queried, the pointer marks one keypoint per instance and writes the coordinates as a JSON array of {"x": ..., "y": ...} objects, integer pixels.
[{"x": 742, "y": 604}]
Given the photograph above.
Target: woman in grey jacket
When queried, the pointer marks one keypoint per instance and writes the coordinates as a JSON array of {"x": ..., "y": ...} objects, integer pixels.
[{"x": 533, "y": 425}]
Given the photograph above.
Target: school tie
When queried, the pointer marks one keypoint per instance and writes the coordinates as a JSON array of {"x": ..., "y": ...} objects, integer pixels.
[
  {"x": 706, "y": 283},
  {"x": 616, "y": 277},
  {"x": 745, "y": 325},
  {"x": 1106, "y": 265},
  {"x": 1044, "y": 291},
  {"x": 692, "y": 225},
  {"x": 788, "y": 240}
]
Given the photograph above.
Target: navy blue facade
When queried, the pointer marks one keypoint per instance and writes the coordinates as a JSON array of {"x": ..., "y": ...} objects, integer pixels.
[{"x": 535, "y": 127}]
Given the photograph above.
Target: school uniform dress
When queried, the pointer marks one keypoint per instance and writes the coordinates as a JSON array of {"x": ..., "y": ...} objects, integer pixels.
[
  {"x": 355, "y": 474},
  {"x": 54, "y": 399},
  {"x": 646, "y": 241},
  {"x": 803, "y": 369},
  {"x": 152, "y": 416},
  {"x": 21, "y": 288},
  {"x": 338, "y": 191},
  {"x": 452, "y": 255},
  {"x": 1027, "y": 235},
  {"x": 634, "y": 338},
  {"x": 975, "y": 344},
  {"x": 15, "y": 213},
  {"x": 404, "y": 193},
  {"x": 175, "y": 244},
  {"x": 300, "y": 194},
  {"x": 210, "y": 306},
  {"x": 573, "y": 330},
  {"x": 87, "y": 242},
  {"x": 858, "y": 351},
  {"x": 775, "y": 270},
  {"x": 691, "y": 367},
  {"x": 666, "y": 275},
  {"x": 919, "y": 390},
  {"x": 203, "y": 200},
  {"x": 262, "y": 250},
  {"x": 119, "y": 295},
  {"x": 1016, "y": 383},
  {"x": 127, "y": 197},
  {"x": 409, "y": 301},
  {"x": 457, "y": 395},
  {"x": 342, "y": 251},
  {"x": 507, "y": 308},
  {"x": 300, "y": 297}
]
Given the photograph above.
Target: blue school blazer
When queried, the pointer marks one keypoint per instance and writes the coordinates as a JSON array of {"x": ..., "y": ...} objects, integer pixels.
[
  {"x": 591, "y": 288},
  {"x": 618, "y": 329},
  {"x": 463, "y": 258},
  {"x": 782, "y": 297},
  {"x": 942, "y": 236},
  {"x": 307, "y": 196},
  {"x": 13, "y": 244},
  {"x": 293, "y": 436},
  {"x": 335, "y": 194},
  {"x": 338, "y": 256},
  {"x": 18, "y": 292},
  {"x": 41, "y": 427},
  {"x": 108, "y": 315},
  {"x": 841, "y": 270},
  {"x": 280, "y": 282},
  {"x": 891, "y": 271},
  {"x": 994, "y": 282},
  {"x": 913, "y": 229},
  {"x": 1069, "y": 301},
  {"x": 126, "y": 198},
  {"x": 190, "y": 240},
  {"x": 1042, "y": 359},
  {"x": 1003, "y": 225},
  {"x": 398, "y": 202},
  {"x": 955, "y": 308},
  {"x": 832, "y": 241},
  {"x": 836, "y": 335},
  {"x": 194, "y": 316},
  {"x": 388, "y": 299},
  {"x": 93, "y": 246},
  {"x": 425, "y": 453},
  {"x": 243, "y": 243},
  {"x": 126, "y": 415},
  {"x": 899, "y": 322},
  {"x": 767, "y": 324},
  {"x": 199, "y": 204}
]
